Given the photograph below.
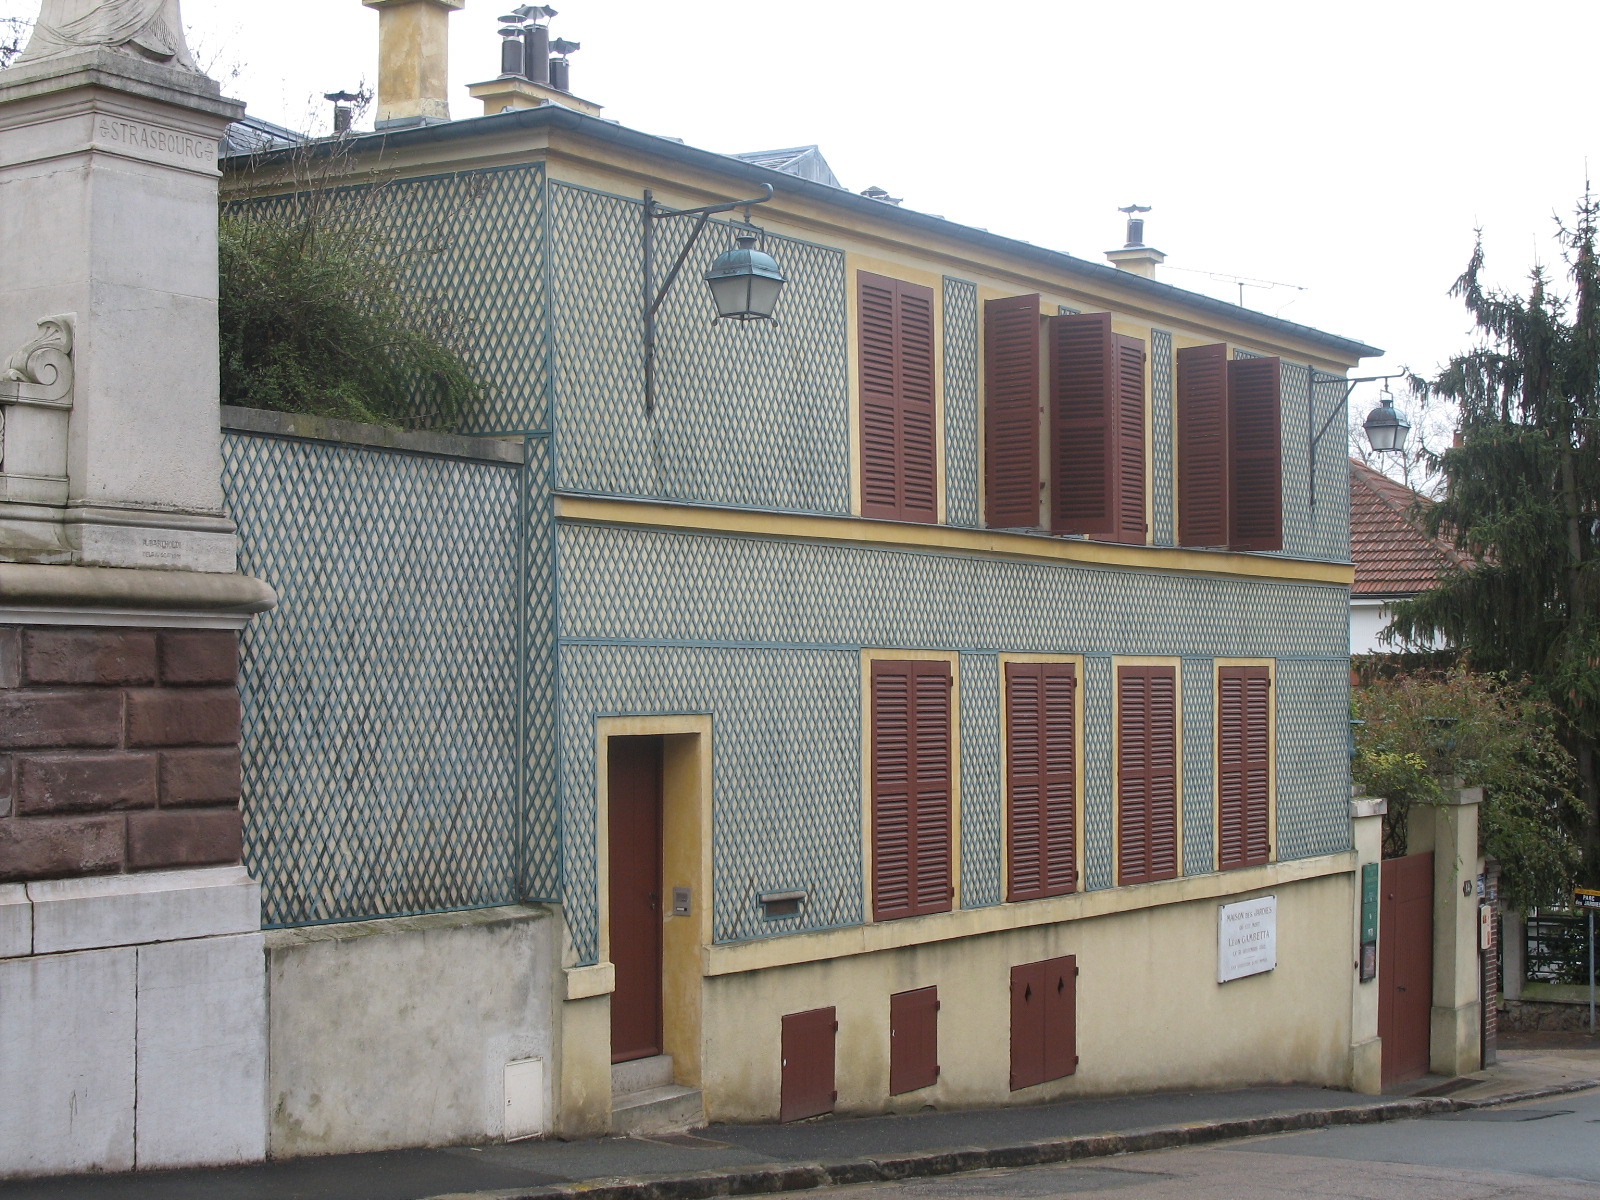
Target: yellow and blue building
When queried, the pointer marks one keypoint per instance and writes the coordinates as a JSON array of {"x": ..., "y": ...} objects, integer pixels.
[{"x": 470, "y": 626}]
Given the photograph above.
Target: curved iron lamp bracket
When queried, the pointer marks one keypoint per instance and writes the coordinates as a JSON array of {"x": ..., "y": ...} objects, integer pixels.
[
  {"x": 653, "y": 295},
  {"x": 1311, "y": 415}
]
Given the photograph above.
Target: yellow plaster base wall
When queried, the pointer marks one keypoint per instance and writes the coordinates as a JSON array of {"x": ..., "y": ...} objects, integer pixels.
[
  {"x": 1151, "y": 1015},
  {"x": 584, "y": 1090}
]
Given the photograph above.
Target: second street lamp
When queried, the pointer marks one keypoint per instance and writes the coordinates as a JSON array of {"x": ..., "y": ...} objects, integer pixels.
[{"x": 1386, "y": 428}]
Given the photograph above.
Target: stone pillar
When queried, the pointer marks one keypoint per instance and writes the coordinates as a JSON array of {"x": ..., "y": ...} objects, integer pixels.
[
  {"x": 1451, "y": 831},
  {"x": 1366, "y": 1047},
  {"x": 108, "y": 296},
  {"x": 132, "y": 980}
]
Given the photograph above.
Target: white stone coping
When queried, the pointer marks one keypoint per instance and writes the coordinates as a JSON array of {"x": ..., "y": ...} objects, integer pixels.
[
  {"x": 344, "y": 931},
  {"x": 1368, "y": 806},
  {"x": 135, "y": 910},
  {"x": 382, "y": 437},
  {"x": 103, "y": 67},
  {"x": 585, "y": 982},
  {"x": 31, "y": 587}
]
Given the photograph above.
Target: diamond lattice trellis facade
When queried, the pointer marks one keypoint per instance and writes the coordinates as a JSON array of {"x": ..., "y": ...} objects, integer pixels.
[{"x": 701, "y": 577}]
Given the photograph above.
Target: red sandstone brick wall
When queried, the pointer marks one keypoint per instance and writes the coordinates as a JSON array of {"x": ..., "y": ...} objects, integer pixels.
[{"x": 119, "y": 750}]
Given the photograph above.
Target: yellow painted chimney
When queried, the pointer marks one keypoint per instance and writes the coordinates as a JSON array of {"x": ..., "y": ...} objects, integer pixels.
[
  {"x": 511, "y": 93},
  {"x": 1141, "y": 260},
  {"x": 413, "y": 61},
  {"x": 1135, "y": 256}
]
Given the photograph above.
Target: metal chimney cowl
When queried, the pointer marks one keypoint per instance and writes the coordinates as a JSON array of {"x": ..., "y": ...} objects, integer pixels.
[{"x": 413, "y": 61}]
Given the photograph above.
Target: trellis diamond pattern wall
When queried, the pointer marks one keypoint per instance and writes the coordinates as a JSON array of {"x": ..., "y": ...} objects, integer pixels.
[
  {"x": 542, "y": 822},
  {"x": 665, "y": 586},
  {"x": 1099, "y": 834},
  {"x": 469, "y": 248},
  {"x": 1313, "y": 757},
  {"x": 982, "y": 819},
  {"x": 754, "y": 414},
  {"x": 963, "y": 471},
  {"x": 1199, "y": 763},
  {"x": 786, "y": 766},
  {"x": 771, "y": 648},
  {"x": 1163, "y": 416},
  {"x": 381, "y": 697}
]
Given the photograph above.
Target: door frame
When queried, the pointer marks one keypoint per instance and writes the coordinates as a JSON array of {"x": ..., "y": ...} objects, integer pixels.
[{"x": 686, "y": 805}]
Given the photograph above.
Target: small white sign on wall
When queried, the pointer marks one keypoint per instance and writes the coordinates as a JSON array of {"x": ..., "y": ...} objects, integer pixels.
[{"x": 1247, "y": 938}]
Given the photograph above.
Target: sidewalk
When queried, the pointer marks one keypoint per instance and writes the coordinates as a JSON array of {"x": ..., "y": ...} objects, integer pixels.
[{"x": 745, "y": 1159}]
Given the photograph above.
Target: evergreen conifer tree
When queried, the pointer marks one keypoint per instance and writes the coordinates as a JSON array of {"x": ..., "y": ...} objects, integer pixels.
[{"x": 1522, "y": 496}]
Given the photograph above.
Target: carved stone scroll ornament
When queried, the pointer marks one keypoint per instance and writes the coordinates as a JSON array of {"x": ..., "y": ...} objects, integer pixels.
[
  {"x": 40, "y": 373},
  {"x": 148, "y": 29}
]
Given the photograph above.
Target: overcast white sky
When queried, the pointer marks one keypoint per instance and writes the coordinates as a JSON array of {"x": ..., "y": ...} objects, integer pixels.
[{"x": 1349, "y": 146}]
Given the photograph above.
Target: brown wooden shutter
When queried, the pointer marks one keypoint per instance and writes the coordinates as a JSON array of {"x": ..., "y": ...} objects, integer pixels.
[
  {"x": 1044, "y": 1020},
  {"x": 1203, "y": 471},
  {"x": 1011, "y": 412},
  {"x": 1096, "y": 429},
  {"x": 1041, "y": 779},
  {"x": 932, "y": 764},
  {"x": 899, "y": 450},
  {"x": 1147, "y": 774},
  {"x": 1027, "y": 1025},
  {"x": 911, "y": 866},
  {"x": 1060, "y": 1017},
  {"x": 806, "y": 1074},
  {"x": 1255, "y": 415},
  {"x": 913, "y": 1040},
  {"x": 1128, "y": 483},
  {"x": 1244, "y": 781}
]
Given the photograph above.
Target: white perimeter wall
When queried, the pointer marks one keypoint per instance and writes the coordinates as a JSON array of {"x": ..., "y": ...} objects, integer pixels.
[{"x": 398, "y": 1032}]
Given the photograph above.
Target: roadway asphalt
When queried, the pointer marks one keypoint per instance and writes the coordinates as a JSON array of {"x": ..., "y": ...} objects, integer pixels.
[
  {"x": 1542, "y": 1150},
  {"x": 1556, "y": 1138}
]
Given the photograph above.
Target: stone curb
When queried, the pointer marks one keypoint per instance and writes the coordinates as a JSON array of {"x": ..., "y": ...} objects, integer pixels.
[{"x": 802, "y": 1176}]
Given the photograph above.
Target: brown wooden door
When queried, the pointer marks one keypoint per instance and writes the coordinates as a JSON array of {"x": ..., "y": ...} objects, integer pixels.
[
  {"x": 913, "y": 1040},
  {"x": 1044, "y": 1021},
  {"x": 806, "y": 1086},
  {"x": 1405, "y": 966},
  {"x": 635, "y": 892}
]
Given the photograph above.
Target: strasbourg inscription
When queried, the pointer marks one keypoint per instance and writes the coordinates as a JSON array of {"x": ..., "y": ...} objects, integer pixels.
[{"x": 113, "y": 131}]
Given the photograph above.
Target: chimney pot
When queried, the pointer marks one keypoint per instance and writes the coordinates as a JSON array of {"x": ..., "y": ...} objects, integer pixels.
[
  {"x": 536, "y": 39},
  {"x": 511, "y": 57}
]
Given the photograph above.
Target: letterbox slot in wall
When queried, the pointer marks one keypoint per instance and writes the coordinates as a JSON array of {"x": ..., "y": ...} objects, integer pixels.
[{"x": 780, "y": 904}]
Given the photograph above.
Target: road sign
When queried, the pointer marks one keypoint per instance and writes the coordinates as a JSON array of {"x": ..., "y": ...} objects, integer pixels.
[{"x": 1586, "y": 897}]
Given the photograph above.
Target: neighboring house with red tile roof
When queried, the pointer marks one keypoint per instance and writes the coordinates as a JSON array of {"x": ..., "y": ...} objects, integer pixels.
[{"x": 1394, "y": 558}]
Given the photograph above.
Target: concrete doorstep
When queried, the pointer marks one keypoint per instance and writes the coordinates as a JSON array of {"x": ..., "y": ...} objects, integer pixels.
[{"x": 802, "y": 1176}]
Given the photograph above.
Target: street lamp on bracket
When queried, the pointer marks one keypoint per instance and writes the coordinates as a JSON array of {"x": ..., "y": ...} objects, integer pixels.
[
  {"x": 1386, "y": 428},
  {"x": 744, "y": 282},
  {"x": 1386, "y": 434}
]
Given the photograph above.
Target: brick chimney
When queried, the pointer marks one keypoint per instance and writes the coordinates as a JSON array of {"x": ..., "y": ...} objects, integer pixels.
[{"x": 413, "y": 61}]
